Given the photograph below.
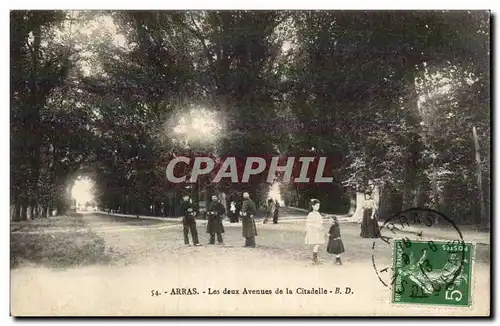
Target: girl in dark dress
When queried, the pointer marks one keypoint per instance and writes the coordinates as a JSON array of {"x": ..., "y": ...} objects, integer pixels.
[
  {"x": 369, "y": 225},
  {"x": 335, "y": 244}
]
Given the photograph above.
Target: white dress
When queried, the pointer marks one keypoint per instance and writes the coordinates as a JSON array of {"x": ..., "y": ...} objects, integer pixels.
[{"x": 315, "y": 233}]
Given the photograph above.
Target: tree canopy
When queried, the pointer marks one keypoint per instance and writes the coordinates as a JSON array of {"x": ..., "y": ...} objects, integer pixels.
[{"x": 389, "y": 97}]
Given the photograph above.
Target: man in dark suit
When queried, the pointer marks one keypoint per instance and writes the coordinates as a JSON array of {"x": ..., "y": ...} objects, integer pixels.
[
  {"x": 247, "y": 213},
  {"x": 188, "y": 220},
  {"x": 215, "y": 211}
]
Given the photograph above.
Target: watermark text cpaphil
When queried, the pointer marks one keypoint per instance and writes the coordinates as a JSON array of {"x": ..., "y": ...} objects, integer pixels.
[{"x": 303, "y": 169}]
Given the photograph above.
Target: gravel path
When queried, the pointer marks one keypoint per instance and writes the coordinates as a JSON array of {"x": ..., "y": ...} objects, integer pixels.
[{"x": 154, "y": 258}]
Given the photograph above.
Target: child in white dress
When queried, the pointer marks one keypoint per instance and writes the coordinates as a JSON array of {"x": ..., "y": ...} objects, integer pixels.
[{"x": 315, "y": 232}]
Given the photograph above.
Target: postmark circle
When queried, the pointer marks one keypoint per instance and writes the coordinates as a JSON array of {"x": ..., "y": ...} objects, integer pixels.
[{"x": 407, "y": 228}]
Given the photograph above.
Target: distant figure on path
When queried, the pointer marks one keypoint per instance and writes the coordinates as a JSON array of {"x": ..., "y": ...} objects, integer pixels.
[
  {"x": 276, "y": 212},
  {"x": 335, "y": 245},
  {"x": 215, "y": 211},
  {"x": 369, "y": 224},
  {"x": 188, "y": 221},
  {"x": 233, "y": 212},
  {"x": 247, "y": 213},
  {"x": 315, "y": 233},
  {"x": 271, "y": 207}
]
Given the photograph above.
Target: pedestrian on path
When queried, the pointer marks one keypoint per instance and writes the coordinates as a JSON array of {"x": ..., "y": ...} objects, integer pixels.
[
  {"x": 233, "y": 212},
  {"x": 215, "y": 211},
  {"x": 335, "y": 245},
  {"x": 276, "y": 212},
  {"x": 270, "y": 210},
  {"x": 247, "y": 213},
  {"x": 188, "y": 220},
  {"x": 369, "y": 224},
  {"x": 315, "y": 234}
]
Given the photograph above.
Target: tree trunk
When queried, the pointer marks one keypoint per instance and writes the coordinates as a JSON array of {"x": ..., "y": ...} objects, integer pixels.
[
  {"x": 17, "y": 211},
  {"x": 33, "y": 211},
  {"x": 59, "y": 207},
  {"x": 223, "y": 200},
  {"x": 385, "y": 209},
  {"x": 437, "y": 198},
  {"x": 166, "y": 207},
  {"x": 124, "y": 206},
  {"x": 177, "y": 199},
  {"x": 418, "y": 195},
  {"x": 376, "y": 194},
  {"x": 352, "y": 207},
  {"x": 404, "y": 197},
  {"x": 33, "y": 121},
  {"x": 296, "y": 201},
  {"x": 24, "y": 212},
  {"x": 358, "y": 213},
  {"x": 483, "y": 219},
  {"x": 360, "y": 199},
  {"x": 435, "y": 188},
  {"x": 204, "y": 193},
  {"x": 413, "y": 146}
]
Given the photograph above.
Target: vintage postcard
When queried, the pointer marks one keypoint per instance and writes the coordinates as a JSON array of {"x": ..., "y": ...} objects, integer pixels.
[{"x": 250, "y": 163}]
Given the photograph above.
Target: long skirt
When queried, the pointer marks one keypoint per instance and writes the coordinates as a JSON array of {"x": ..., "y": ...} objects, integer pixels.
[
  {"x": 335, "y": 246},
  {"x": 215, "y": 225},
  {"x": 369, "y": 226},
  {"x": 314, "y": 237},
  {"x": 249, "y": 227}
]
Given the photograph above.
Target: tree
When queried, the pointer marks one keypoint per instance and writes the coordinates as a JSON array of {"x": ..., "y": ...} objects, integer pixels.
[
  {"x": 388, "y": 97},
  {"x": 38, "y": 67}
]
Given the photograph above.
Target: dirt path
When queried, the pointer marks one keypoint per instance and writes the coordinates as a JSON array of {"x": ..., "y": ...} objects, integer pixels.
[{"x": 155, "y": 259}]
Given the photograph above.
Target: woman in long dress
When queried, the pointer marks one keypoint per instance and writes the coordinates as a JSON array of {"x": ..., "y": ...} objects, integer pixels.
[
  {"x": 369, "y": 224},
  {"x": 315, "y": 233}
]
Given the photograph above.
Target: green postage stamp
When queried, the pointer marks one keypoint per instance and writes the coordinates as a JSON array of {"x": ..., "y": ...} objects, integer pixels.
[{"x": 432, "y": 272}]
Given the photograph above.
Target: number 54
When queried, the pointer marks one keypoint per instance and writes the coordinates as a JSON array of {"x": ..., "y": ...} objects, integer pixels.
[{"x": 453, "y": 295}]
